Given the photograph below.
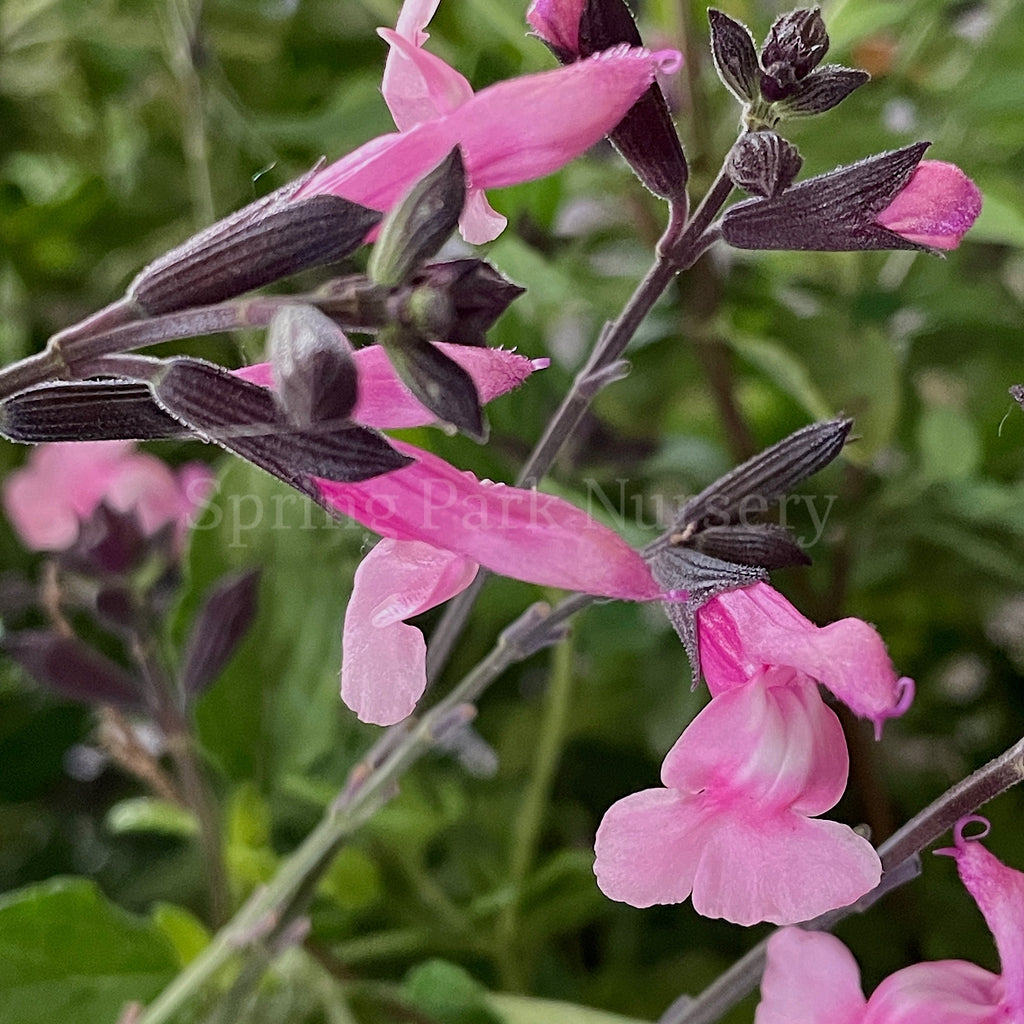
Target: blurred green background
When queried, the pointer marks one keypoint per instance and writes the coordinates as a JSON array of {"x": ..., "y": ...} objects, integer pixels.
[{"x": 125, "y": 125}]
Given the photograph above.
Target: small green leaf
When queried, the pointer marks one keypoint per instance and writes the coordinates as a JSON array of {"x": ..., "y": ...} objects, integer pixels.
[
  {"x": 448, "y": 992},
  {"x": 948, "y": 443},
  {"x": 352, "y": 881},
  {"x": 148, "y": 814}
]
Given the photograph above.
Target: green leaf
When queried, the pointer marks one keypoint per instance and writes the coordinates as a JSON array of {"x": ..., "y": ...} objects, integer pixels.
[
  {"x": 185, "y": 931},
  {"x": 67, "y": 954},
  {"x": 448, "y": 992},
  {"x": 948, "y": 443},
  {"x": 526, "y": 1010},
  {"x": 148, "y": 814}
]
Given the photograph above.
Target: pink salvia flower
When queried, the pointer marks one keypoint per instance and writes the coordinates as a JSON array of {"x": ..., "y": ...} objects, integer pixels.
[
  {"x": 740, "y": 632},
  {"x": 936, "y": 208},
  {"x": 735, "y": 824},
  {"x": 440, "y": 525},
  {"x": 62, "y": 484},
  {"x": 510, "y": 132},
  {"x": 811, "y": 977}
]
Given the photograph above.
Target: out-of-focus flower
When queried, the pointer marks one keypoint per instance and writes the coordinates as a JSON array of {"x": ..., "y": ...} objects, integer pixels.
[
  {"x": 510, "y": 132},
  {"x": 742, "y": 632},
  {"x": 812, "y": 978},
  {"x": 936, "y": 208},
  {"x": 735, "y": 824},
  {"x": 63, "y": 484}
]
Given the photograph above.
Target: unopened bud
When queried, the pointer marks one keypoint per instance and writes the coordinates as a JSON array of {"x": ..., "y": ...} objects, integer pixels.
[
  {"x": 478, "y": 292},
  {"x": 314, "y": 372},
  {"x": 763, "y": 163},
  {"x": 822, "y": 90},
  {"x": 833, "y": 212},
  {"x": 267, "y": 240},
  {"x": 438, "y": 382},
  {"x": 219, "y": 627},
  {"x": 735, "y": 56},
  {"x": 796, "y": 44},
  {"x": 418, "y": 226}
]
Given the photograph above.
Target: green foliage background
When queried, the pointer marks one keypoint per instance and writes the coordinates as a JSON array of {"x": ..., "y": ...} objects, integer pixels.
[{"x": 126, "y": 124}]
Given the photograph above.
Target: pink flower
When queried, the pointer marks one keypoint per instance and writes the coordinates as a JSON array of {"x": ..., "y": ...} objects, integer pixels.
[
  {"x": 936, "y": 207},
  {"x": 63, "y": 484},
  {"x": 510, "y": 132},
  {"x": 734, "y": 825},
  {"x": 811, "y": 977},
  {"x": 441, "y": 524},
  {"x": 742, "y": 632}
]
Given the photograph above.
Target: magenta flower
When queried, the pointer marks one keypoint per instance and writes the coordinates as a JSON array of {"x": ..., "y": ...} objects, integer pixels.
[
  {"x": 510, "y": 132},
  {"x": 63, "y": 484},
  {"x": 441, "y": 524},
  {"x": 936, "y": 208},
  {"x": 811, "y": 977},
  {"x": 742, "y": 632},
  {"x": 735, "y": 824}
]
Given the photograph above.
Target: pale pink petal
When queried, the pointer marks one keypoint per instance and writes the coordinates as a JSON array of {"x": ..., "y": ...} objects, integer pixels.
[
  {"x": 939, "y": 992},
  {"x": 387, "y": 404},
  {"x": 510, "y": 132},
  {"x": 936, "y": 208},
  {"x": 418, "y": 86},
  {"x": 743, "y": 630},
  {"x": 809, "y": 978},
  {"x": 760, "y": 865},
  {"x": 480, "y": 222},
  {"x": 524, "y": 534},
  {"x": 999, "y": 892},
  {"x": 557, "y": 22},
  {"x": 772, "y": 743},
  {"x": 414, "y": 17},
  {"x": 648, "y": 847},
  {"x": 383, "y": 667}
]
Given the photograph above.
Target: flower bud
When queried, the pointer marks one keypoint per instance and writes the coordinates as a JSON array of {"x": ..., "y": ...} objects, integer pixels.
[
  {"x": 418, "y": 226},
  {"x": 796, "y": 43},
  {"x": 271, "y": 238},
  {"x": 735, "y": 57},
  {"x": 889, "y": 201},
  {"x": 439, "y": 383},
  {"x": 314, "y": 374},
  {"x": 763, "y": 163}
]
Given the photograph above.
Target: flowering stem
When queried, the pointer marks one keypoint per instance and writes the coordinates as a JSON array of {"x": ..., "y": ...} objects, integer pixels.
[
  {"x": 682, "y": 244},
  {"x": 901, "y": 848},
  {"x": 529, "y": 821},
  {"x": 268, "y": 912}
]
